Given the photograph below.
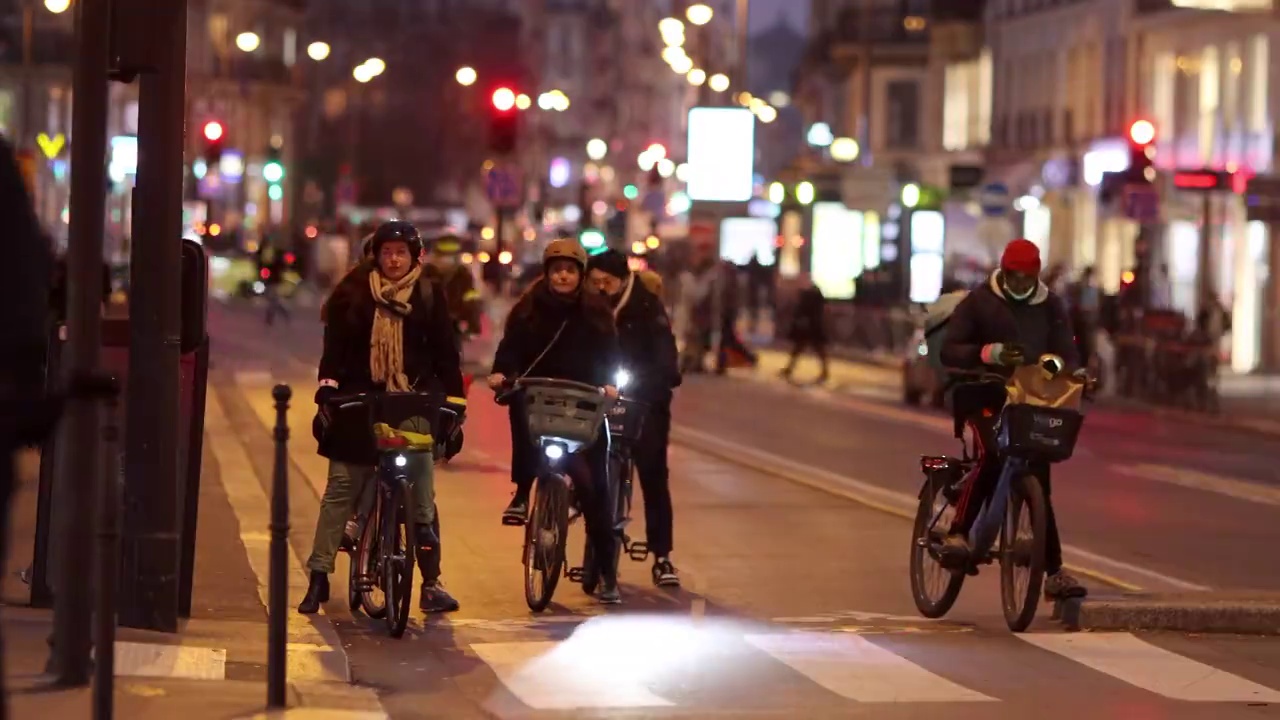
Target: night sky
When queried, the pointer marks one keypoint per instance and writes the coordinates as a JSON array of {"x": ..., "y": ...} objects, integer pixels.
[{"x": 764, "y": 13}]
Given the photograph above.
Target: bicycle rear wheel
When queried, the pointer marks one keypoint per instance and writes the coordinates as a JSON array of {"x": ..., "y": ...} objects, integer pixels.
[
  {"x": 934, "y": 588},
  {"x": 544, "y": 541},
  {"x": 365, "y": 583},
  {"x": 1022, "y": 554},
  {"x": 399, "y": 547}
]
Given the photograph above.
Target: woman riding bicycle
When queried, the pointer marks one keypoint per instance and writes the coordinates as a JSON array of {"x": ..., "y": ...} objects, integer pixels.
[
  {"x": 558, "y": 330},
  {"x": 387, "y": 329}
]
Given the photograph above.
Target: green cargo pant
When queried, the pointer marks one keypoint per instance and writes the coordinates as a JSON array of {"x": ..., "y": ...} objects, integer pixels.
[{"x": 346, "y": 486}]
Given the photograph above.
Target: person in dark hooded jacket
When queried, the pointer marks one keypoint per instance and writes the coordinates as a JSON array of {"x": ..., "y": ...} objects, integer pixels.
[
  {"x": 1012, "y": 317},
  {"x": 560, "y": 330},
  {"x": 387, "y": 329},
  {"x": 652, "y": 363}
]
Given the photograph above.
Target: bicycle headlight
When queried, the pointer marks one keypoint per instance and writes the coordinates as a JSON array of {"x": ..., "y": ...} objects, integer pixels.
[
  {"x": 401, "y": 461},
  {"x": 621, "y": 379},
  {"x": 554, "y": 452}
]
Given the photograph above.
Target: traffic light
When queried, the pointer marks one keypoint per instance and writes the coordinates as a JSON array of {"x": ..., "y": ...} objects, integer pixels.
[
  {"x": 273, "y": 173},
  {"x": 1142, "y": 152},
  {"x": 213, "y": 136},
  {"x": 504, "y": 126}
]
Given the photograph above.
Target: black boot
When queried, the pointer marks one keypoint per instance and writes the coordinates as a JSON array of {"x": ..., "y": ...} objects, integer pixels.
[{"x": 317, "y": 594}]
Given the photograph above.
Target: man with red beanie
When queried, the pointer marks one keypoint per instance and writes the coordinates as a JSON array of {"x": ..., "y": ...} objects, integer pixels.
[{"x": 1010, "y": 317}]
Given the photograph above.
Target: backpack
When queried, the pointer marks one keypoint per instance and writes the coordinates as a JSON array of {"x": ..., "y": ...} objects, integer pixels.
[{"x": 935, "y": 325}]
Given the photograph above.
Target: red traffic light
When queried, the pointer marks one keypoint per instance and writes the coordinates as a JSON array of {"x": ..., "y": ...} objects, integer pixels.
[
  {"x": 213, "y": 131},
  {"x": 504, "y": 99},
  {"x": 1142, "y": 132},
  {"x": 290, "y": 258}
]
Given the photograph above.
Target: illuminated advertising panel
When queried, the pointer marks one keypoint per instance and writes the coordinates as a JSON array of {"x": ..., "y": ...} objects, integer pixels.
[
  {"x": 837, "y": 249},
  {"x": 721, "y": 154},
  {"x": 744, "y": 238}
]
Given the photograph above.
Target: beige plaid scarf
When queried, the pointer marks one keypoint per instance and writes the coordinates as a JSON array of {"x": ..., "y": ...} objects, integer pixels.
[{"x": 386, "y": 343}]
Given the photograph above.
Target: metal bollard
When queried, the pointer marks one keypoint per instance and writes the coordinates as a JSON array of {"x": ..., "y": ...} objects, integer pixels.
[
  {"x": 108, "y": 525},
  {"x": 278, "y": 583}
]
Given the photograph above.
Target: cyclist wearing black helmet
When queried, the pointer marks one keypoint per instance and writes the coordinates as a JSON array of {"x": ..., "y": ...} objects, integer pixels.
[{"x": 387, "y": 328}]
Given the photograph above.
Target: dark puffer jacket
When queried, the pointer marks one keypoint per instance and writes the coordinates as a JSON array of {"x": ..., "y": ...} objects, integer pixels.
[
  {"x": 1040, "y": 325},
  {"x": 647, "y": 343},
  {"x": 587, "y": 350},
  {"x": 431, "y": 359}
]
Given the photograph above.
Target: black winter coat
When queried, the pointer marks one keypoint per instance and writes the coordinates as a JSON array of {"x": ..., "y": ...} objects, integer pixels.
[
  {"x": 431, "y": 358},
  {"x": 985, "y": 316},
  {"x": 809, "y": 321},
  {"x": 647, "y": 343},
  {"x": 587, "y": 351}
]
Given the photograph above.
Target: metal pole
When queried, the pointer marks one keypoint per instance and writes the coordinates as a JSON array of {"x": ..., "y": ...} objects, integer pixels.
[
  {"x": 69, "y": 662},
  {"x": 152, "y": 546},
  {"x": 278, "y": 583},
  {"x": 1205, "y": 254},
  {"x": 108, "y": 566}
]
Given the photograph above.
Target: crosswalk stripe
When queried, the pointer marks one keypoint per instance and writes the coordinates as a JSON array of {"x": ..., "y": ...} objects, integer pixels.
[
  {"x": 1141, "y": 664},
  {"x": 855, "y": 668},
  {"x": 555, "y": 676}
]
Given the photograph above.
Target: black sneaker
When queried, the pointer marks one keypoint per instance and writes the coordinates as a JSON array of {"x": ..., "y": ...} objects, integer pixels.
[
  {"x": 609, "y": 594},
  {"x": 435, "y": 599},
  {"x": 517, "y": 513},
  {"x": 664, "y": 573}
]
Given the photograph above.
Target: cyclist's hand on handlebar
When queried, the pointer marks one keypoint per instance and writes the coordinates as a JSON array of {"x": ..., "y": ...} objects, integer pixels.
[
  {"x": 610, "y": 392},
  {"x": 324, "y": 394},
  {"x": 1082, "y": 376},
  {"x": 1005, "y": 354},
  {"x": 496, "y": 381}
]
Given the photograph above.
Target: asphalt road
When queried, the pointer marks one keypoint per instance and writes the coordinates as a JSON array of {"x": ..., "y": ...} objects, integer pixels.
[{"x": 796, "y": 602}]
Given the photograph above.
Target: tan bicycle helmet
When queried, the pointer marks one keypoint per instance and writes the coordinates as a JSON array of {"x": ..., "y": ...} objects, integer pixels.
[{"x": 566, "y": 248}]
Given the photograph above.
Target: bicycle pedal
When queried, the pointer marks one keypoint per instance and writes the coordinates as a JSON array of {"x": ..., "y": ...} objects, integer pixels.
[
  {"x": 510, "y": 521},
  {"x": 574, "y": 574},
  {"x": 638, "y": 551}
]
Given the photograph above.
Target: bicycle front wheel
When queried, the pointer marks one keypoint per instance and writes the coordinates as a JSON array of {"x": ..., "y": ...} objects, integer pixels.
[
  {"x": 399, "y": 547},
  {"x": 544, "y": 541},
  {"x": 366, "y": 567},
  {"x": 933, "y": 587},
  {"x": 1022, "y": 551}
]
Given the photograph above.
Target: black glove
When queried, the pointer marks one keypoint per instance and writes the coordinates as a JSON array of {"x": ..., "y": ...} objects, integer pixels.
[{"x": 324, "y": 394}]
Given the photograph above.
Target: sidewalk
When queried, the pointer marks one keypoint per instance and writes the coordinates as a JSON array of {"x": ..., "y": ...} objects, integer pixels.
[{"x": 215, "y": 666}]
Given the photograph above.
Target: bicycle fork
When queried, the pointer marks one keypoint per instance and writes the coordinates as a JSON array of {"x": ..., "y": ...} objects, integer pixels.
[{"x": 987, "y": 528}]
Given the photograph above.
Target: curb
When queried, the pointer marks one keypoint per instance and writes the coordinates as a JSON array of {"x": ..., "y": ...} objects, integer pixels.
[{"x": 1216, "y": 613}]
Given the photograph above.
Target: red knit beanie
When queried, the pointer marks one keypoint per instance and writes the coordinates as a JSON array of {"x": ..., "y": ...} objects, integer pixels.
[{"x": 1021, "y": 256}]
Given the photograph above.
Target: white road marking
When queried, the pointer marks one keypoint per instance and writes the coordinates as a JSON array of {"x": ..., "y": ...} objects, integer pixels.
[
  {"x": 1207, "y": 482},
  {"x": 1141, "y": 664},
  {"x": 170, "y": 661},
  {"x": 316, "y": 652},
  {"x": 857, "y": 669},
  {"x": 552, "y": 676},
  {"x": 1118, "y": 572}
]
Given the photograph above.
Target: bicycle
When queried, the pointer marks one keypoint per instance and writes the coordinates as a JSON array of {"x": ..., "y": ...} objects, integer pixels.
[
  {"x": 564, "y": 418},
  {"x": 385, "y": 552},
  {"x": 1030, "y": 435},
  {"x": 626, "y": 422}
]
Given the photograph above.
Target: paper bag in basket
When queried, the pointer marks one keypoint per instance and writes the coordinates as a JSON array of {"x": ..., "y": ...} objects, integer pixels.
[{"x": 1033, "y": 385}]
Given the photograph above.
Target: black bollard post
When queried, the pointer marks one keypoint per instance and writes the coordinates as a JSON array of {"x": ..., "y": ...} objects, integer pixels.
[
  {"x": 108, "y": 569},
  {"x": 278, "y": 584}
]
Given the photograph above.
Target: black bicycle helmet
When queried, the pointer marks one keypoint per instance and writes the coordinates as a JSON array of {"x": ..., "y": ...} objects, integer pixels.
[{"x": 399, "y": 231}]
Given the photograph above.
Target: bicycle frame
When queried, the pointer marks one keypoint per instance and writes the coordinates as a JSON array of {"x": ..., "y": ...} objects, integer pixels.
[{"x": 987, "y": 528}]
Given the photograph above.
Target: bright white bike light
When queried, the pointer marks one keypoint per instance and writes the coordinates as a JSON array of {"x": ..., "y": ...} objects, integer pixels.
[
  {"x": 554, "y": 452},
  {"x": 621, "y": 379},
  {"x": 401, "y": 461}
]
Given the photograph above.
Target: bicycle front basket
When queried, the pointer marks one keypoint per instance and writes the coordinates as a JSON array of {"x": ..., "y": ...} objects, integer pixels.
[
  {"x": 573, "y": 415},
  {"x": 1039, "y": 433},
  {"x": 626, "y": 420}
]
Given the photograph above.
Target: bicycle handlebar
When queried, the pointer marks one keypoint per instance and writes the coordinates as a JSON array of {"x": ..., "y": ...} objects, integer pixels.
[
  {"x": 446, "y": 402},
  {"x": 512, "y": 387}
]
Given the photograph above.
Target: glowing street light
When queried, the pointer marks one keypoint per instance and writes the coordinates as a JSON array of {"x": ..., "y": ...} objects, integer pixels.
[
  {"x": 805, "y": 193},
  {"x": 697, "y": 76},
  {"x": 466, "y": 76},
  {"x": 362, "y": 74},
  {"x": 719, "y": 82},
  {"x": 666, "y": 168},
  {"x": 682, "y": 65},
  {"x": 767, "y": 114},
  {"x": 57, "y": 7},
  {"x": 699, "y": 14},
  {"x": 376, "y": 66},
  {"x": 318, "y": 51},
  {"x": 248, "y": 41},
  {"x": 671, "y": 54},
  {"x": 777, "y": 193},
  {"x": 672, "y": 31},
  {"x": 844, "y": 149},
  {"x": 597, "y": 149},
  {"x": 523, "y": 102}
]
